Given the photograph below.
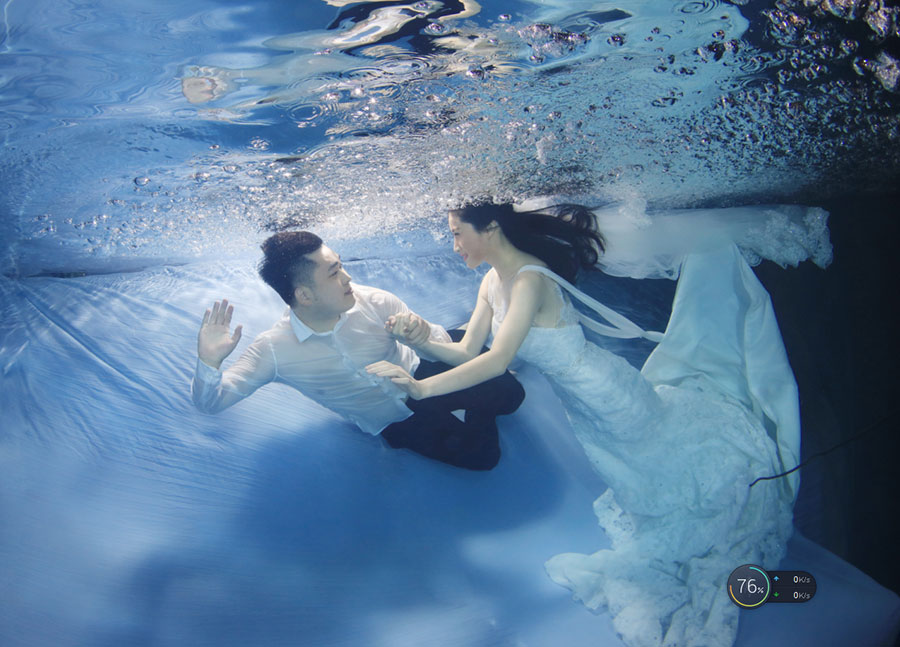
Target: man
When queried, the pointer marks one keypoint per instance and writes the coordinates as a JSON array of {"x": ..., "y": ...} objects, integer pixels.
[{"x": 322, "y": 345}]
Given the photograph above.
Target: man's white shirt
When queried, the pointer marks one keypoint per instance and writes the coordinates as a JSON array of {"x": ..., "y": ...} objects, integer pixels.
[{"x": 329, "y": 367}]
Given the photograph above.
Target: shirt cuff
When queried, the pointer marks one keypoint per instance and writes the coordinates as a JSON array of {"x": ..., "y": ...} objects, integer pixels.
[
  {"x": 438, "y": 334},
  {"x": 206, "y": 373}
]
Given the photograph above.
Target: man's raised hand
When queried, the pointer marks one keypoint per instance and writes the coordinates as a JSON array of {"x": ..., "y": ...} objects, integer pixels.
[{"x": 215, "y": 342}]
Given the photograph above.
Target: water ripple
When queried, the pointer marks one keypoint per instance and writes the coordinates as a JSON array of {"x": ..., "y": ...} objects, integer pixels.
[{"x": 695, "y": 7}]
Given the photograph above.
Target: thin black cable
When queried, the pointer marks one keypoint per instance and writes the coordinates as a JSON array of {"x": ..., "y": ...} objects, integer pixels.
[{"x": 857, "y": 436}]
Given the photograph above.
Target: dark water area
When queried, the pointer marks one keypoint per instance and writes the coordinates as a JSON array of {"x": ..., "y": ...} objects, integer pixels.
[{"x": 839, "y": 328}]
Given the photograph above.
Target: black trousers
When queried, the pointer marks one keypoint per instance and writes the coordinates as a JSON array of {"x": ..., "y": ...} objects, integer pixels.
[{"x": 433, "y": 431}]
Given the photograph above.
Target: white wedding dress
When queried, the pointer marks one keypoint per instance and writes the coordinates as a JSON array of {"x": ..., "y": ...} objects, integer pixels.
[{"x": 678, "y": 444}]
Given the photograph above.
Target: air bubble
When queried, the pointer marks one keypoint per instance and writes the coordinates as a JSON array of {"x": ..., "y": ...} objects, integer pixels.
[
  {"x": 435, "y": 28},
  {"x": 848, "y": 46},
  {"x": 862, "y": 65},
  {"x": 888, "y": 72},
  {"x": 475, "y": 72},
  {"x": 142, "y": 181}
]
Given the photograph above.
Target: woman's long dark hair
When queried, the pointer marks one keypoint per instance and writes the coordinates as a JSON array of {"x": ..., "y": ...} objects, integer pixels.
[{"x": 564, "y": 236}]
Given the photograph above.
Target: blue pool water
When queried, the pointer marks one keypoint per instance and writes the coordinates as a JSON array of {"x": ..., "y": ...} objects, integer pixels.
[{"x": 148, "y": 148}]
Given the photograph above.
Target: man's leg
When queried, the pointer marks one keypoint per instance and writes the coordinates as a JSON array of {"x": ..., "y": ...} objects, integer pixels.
[
  {"x": 443, "y": 437},
  {"x": 436, "y": 433}
]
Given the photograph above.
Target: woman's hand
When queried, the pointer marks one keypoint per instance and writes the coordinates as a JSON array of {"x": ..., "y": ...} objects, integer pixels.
[
  {"x": 408, "y": 328},
  {"x": 398, "y": 376},
  {"x": 214, "y": 341}
]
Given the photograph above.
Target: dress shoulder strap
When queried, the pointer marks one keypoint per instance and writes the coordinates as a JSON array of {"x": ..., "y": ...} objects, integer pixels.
[{"x": 621, "y": 327}]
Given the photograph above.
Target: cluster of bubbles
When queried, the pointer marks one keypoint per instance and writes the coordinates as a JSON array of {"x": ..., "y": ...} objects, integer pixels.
[
  {"x": 546, "y": 41},
  {"x": 678, "y": 106},
  {"x": 819, "y": 33}
]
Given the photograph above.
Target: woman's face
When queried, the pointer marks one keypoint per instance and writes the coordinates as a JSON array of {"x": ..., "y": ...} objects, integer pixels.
[{"x": 468, "y": 242}]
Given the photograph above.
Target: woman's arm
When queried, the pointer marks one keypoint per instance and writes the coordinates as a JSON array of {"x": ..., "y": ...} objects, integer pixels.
[
  {"x": 524, "y": 302},
  {"x": 456, "y": 353}
]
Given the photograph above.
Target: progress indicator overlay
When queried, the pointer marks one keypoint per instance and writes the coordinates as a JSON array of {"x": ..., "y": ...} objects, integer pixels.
[{"x": 749, "y": 586}]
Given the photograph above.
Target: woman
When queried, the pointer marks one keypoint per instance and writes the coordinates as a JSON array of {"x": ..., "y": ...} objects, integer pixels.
[{"x": 678, "y": 443}]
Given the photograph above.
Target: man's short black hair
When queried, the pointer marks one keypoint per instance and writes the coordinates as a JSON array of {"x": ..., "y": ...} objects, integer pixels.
[{"x": 285, "y": 264}]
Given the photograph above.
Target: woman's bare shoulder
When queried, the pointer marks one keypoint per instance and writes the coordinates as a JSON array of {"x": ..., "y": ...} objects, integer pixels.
[{"x": 486, "y": 281}]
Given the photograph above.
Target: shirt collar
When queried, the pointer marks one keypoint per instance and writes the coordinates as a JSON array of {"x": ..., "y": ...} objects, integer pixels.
[{"x": 304, "y": 332}]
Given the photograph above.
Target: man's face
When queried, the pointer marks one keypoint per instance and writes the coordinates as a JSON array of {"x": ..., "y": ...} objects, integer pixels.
[{"x": 330, "y": 290}]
